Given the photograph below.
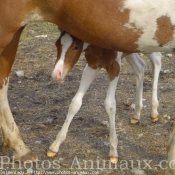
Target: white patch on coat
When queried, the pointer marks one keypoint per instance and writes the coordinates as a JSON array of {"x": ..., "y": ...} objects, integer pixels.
[
  {"x": 144, "y": 15},
  {"x": 66, "y": 42},
  {"x": 119, "y": 58}
]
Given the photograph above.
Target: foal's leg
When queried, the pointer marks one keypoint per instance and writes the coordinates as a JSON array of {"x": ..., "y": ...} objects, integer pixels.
[
  {"x": 138, "y": 66},
  {"x": 10, "y": 132},
  {"x": 87, "y": 78},
  {"x": 155, "y": 59},
  {"x": 110, "y": 106}
]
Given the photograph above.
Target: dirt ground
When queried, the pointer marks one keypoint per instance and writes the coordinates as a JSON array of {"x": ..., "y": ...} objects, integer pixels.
[{"x": 39, "y": 106}]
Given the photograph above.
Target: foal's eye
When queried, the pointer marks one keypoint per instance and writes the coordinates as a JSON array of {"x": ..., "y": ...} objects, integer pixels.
[{"x": 76, "y": 48}]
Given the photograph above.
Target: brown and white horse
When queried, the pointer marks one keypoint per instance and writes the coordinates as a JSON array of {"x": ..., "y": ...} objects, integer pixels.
[
  {"x": 123, "y": 25},
  {"x": 69, "y": 49}
]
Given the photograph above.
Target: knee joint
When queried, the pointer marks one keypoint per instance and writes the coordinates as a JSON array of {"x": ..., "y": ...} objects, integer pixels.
[
  {"x": 75, "y": 105},
  {"x": 110, "y": 106}
]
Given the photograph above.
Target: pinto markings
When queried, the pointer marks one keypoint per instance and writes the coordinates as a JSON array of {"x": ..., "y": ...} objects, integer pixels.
[{"x": 146, "y": 14}]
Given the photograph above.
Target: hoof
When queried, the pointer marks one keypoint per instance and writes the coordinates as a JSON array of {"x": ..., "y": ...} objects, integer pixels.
[
  {"x": 154, "y": 119},
  {"x": 134, "y": 121},
  {"x": 51, "y": 153},
  {"x": 113, "y": 159},
  {"x": 28, "y": 158}
]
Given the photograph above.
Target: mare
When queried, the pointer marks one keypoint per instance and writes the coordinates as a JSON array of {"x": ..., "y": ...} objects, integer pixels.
[{"x": 123, "y": 25}]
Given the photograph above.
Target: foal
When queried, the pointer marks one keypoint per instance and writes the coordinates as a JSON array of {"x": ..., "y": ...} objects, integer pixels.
[{"x": 69, "y": 50}]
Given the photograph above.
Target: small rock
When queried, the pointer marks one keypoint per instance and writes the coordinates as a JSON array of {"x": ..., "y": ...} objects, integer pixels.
[
  {"x": 140, "y": 135},
  {"x": 88, "y": 151},
  {"x": 167, "y": 116},
  {"x": 133, "y": 106},
  {"x": 168, "y": 55},
  {"x": 106, "y": 123},
  {"x": 49, "y": 120},
  {"x": 31, "y": 31},
  {"x": 137, "y": 172},
  {"x": 157, "y": 134},
  {"x": 60, "y": 159},
  {"x": 166, "y": 71},
  {"x": 20, "y": 73},
  {"x": 41, "y": 36},
  {"x": 37, "y": 142}
]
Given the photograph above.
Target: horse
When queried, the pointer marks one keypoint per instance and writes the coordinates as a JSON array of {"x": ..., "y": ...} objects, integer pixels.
[
  {"x": 114, "y": 24},
  {"x": 69, "y": 49}
]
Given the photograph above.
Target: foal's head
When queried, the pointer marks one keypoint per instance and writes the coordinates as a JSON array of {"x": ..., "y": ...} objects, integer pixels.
[{"x": 69, "y": 49}]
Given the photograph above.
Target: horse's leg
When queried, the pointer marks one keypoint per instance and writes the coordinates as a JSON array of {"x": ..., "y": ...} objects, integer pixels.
[
  {"x": 155, "y": 59},
  {"x": 10, "y": 132},
  {"x": 110, "y": 106},
  {"x": 6, "y": 38},
  {"x": 87, "y": 78},
  {"x": 138, "y": 65}
]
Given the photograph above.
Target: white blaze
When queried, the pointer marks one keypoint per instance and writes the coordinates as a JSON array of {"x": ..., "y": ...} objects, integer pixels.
[{"x": 66, "y": 42}]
